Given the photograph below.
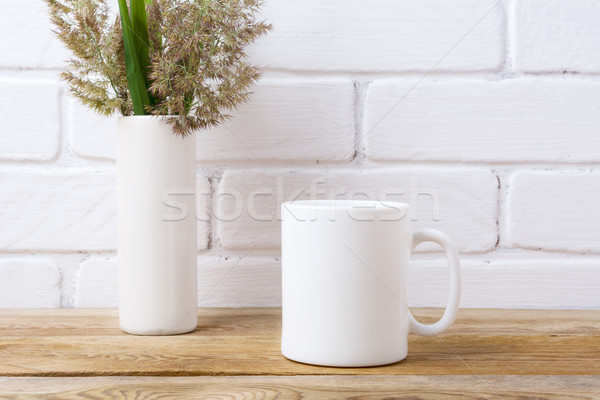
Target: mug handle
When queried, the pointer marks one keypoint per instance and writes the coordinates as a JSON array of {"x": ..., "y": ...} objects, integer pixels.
[{"x": 432, "y": 235}]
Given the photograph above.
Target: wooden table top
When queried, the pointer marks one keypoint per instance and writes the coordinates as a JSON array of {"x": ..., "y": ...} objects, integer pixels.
[{"x": 234, "y": 353}]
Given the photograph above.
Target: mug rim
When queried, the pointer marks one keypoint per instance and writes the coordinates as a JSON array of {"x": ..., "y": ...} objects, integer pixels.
[{"x": 343, "y": 204}]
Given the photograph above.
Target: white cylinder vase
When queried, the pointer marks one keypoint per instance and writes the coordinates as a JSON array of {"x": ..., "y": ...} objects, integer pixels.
[{"x": 156, "y": 213}]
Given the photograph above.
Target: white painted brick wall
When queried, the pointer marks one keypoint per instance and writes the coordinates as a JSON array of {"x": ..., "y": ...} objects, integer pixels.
[
  {"x": 555, "y": 210},
  {"x": 63, "y": 211},
  {"x": 477, "y": 120},
  {"x": 557, "y": 35},
  {"x": 382, "y": 35},
  {"x": 287, "y": 120},
  {"x": 461, "y": 202},
  {"x": 29, "y": 283},
  {"x": 222, "y": 282},
  {"x": 490, "y": 108},
  {"x": 90, "y": 134},
  {"x": 97, "y": 283},
  {"x": 24, "y": 137},
  {"x": 27, "y": 39},
  {"x": 509, "y": 283},
  {"x": 256, "y": 281},
  {"x": 274, "y": 126},
  {"x": 72, "y": 210}
]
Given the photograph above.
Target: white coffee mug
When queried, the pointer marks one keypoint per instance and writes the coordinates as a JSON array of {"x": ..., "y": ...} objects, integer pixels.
[{"x": 344, "y": 282}]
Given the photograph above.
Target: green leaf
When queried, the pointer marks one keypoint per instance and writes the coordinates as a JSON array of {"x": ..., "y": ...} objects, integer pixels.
[
  {"x": 135, "y": 76},
  {"x": 142, "y": 44}
]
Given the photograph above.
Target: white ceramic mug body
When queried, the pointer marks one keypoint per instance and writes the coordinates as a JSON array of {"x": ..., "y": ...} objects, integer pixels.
[
  {"x": 344, "y": 282},
  {"x": 157, "y": 247}
]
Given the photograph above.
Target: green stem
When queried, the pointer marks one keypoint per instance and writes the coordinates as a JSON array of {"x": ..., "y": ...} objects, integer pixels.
[
  {"x": 139, "y": 23},
  {"x": 135, "y": 72}
]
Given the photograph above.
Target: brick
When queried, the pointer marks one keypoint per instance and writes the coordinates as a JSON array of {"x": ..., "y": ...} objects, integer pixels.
[
  {"x": 382, "y": 35},
  {"x": 71, "y": 210},
  {"x": 471, "y": 120},
  {"x": 29, "y": 283},
  {"x": 91, "y": 134},
  {"x": 557, "y": 36},
  {"x": 461, "y": 202},
  {"x": 239, "y": 282},
  {"x": 203, "y": 211},
  {"x": 497, "y": 283},
  {"x": 512, "y": 283},
  {"x": 222, "y": 282},
  {"x": 555, "y": 210},
  {"x": 313, "y": 121},
  {"x": 29, "y": 119},
  {"x": 97, "y": 283},
  {"x": 28, "y": 38},
  {"x": 287, "y": 120}
]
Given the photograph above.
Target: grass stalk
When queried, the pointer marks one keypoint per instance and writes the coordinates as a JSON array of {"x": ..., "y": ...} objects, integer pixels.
[{"x": 133, "y": 52}]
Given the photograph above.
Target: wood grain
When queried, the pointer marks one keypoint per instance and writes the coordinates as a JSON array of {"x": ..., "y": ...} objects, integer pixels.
[
  {"x": 311, "y": 387},
  {"x": 246, "y": 342}
]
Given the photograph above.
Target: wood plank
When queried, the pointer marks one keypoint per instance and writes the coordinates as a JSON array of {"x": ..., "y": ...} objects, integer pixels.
[
  {"x": 246, "y": 342},
  {"x": 313, "y": 387}
]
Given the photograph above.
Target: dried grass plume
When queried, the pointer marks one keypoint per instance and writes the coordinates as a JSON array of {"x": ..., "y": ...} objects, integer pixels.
[{"x": 198, "y": 66}]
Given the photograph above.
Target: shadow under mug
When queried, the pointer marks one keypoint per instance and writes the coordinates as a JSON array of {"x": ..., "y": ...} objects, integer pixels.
[{"x": 344, "y": 282}]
